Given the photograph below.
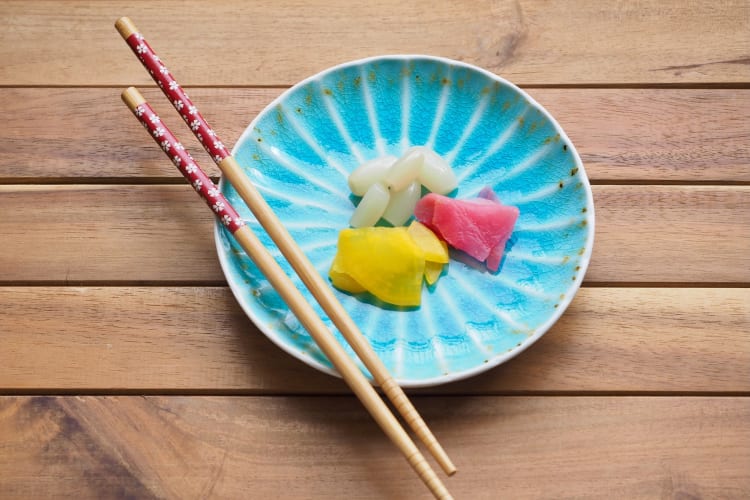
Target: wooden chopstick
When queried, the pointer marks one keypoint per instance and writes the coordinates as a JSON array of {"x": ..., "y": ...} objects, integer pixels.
[
  {"x": 284, "y": 241},
  {"x": 284, "y": 286}
]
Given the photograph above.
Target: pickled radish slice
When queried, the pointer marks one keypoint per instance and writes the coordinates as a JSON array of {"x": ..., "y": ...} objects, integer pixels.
[
  {"x": 385, "y": 261},
  {"x": 480, "y": 227},
  {"x": 405, "y": 170},
  {"x": 435, "y": 250},
  {"x": 341, "y": 279},
  {"x": 401, "y": 206},
  {"x": 436, "y": 174},
  {"x": 388, "y": 262},
  {"x": 371, "y": 206},
  {"x": 369, "y": 173},
  {"x": 432, "y": 271}
]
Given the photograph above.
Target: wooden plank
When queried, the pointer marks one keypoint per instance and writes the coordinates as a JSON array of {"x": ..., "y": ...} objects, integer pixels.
[
  {"x": 671, "y": 234},
  {"x": 623, "y": 134},
  {"x": 272, "y": 43},
  {"x": 514, "y": 447},
  {"x": 197, "y": 339},
  {"x": 656, "y": 135},
  {"x": 100, "y": 138},
  {"x": 104, "y": 233}
]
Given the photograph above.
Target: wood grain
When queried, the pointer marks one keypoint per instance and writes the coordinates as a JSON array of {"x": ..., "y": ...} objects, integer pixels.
[
  {"x": 125, "y": 233},
  {"x": 160, "y": 339},
  {"x": 110, "y": 143},
  {"x": 671, "y": 234},
  {"x": 647, "y": 135},
  {"x": 514, "y": 447},
  {"x": 272, "y": 43}
]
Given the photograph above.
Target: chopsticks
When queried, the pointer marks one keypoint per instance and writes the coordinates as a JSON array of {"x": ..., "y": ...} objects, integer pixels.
[
  {"x": 268, "y": 220},
  {"x": 284, "y": 286},
  {"x": 278, "y": 233}
]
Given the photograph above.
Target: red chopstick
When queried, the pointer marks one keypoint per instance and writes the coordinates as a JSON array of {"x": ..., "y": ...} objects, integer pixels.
[
  {"x": 184, "y": 162},
  {"x": 281, "y": 237}
]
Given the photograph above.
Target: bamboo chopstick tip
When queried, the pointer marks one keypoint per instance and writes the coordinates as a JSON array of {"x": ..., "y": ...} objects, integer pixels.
[
  {"x": 125, "y": 27},
  {"x": 132, "y": 97}
]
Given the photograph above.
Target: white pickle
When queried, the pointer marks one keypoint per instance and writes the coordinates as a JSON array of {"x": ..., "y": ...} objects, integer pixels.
[
  {"x": 371, "y": 207},
  {"x": 369, "y": 173},
  {"x": 436, "y": 174},
  {"x": 402, "y": 204},
  {"x": 391, "y": 187},
  {"x": 405, "y": 170}
]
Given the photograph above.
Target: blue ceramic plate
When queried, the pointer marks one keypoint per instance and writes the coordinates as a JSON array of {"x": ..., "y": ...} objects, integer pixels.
[{"x": 300, "y": 150}]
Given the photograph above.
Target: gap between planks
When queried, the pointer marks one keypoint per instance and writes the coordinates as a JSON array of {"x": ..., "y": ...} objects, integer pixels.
[
  {"x": 172, "y": 181},
  {"x": 563, "y": 86},
  {"x": 413, "y": 393},
  {"x": 223, "y": 284}
]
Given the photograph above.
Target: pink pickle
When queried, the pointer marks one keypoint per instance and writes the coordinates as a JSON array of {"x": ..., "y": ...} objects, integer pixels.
[{"x": 480, "y": 227}]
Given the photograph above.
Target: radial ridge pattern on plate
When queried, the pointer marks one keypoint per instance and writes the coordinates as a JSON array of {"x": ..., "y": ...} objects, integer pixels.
[{"x": 301, "y": 148}]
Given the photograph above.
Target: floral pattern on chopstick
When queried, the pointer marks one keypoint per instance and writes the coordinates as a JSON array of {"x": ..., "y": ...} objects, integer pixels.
[
  {"x": 201, "y": 182},
  {"x": 178, "y": 97}
]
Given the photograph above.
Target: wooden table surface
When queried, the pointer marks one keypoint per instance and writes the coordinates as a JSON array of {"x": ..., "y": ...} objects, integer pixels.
[{"x": 127, "y": 370}]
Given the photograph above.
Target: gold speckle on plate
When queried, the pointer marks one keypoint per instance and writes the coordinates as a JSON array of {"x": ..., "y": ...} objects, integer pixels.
[{"x": 554, "y": 138}]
